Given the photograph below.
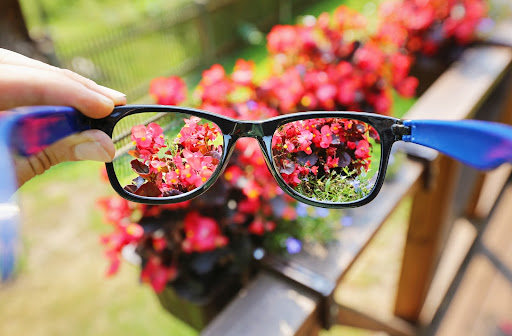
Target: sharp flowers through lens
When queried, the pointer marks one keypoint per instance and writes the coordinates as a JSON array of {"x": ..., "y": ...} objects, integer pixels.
[
  {"x": 167, "y": 154},
  {"x": 328, "y": 159}
]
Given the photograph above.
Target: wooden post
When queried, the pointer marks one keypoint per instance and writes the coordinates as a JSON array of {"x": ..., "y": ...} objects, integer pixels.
[{"x": 428, "y": 224}]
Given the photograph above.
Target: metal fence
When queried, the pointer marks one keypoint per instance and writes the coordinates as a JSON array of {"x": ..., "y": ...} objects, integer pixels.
[{"x": 178, "y": 41}]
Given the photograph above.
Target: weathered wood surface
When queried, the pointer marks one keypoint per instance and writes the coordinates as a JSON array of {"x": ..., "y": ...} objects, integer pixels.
[
  {"x": 480, "y": 299},
  {"x": 273, "y": 306}
]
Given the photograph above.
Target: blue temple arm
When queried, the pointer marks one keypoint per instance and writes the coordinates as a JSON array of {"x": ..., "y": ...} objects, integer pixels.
[
  {"x": 26, "y": 131},
  {"x": 37, "y": 127},
  {"x": 481, "y": 144}
]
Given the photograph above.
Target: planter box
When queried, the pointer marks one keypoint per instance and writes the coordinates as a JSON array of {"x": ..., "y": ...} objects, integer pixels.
[{"x": 198, "y": 311}]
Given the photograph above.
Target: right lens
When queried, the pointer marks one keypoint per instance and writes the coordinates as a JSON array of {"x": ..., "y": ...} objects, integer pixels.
[
  {"x": 165, "y": 154},
  {"x": 333, "y": 160}
]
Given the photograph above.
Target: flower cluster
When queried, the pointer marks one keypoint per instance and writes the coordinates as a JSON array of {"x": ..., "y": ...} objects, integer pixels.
[
  {"x": 183, "y": 165},
  {"x": 327, "y": 151},
  {"x": 319, "y": 66},
  {"x": 426, "y": 26}
]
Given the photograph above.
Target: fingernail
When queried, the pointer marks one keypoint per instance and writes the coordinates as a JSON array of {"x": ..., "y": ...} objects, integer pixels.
[
  {"x": 91, "y": 151},
  {"x": 104, "y": 99},
  {"x": 118, "y": 97}
]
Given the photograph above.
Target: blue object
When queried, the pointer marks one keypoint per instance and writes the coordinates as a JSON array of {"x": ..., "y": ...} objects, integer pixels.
[
  {"x": 293, "y": 245},
  {"x": 480, "y": 144},
  {"x": 26, "y": 131}
]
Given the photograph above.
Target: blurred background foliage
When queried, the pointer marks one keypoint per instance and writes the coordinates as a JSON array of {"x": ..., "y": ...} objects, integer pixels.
[{"x": 124, "y": 45}]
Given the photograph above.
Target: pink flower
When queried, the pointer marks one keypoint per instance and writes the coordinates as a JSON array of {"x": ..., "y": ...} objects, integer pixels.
[
  {"x": 243, "y": 72},
  {"x": 140, "y": 136},
  {"x": 168, "y": 91},
  {"x": 363, "y": 149},
  {"x": 213, "y": 75},
  {"x": 400, "y": 66},
  {"x": 326, "y": 94},
  {"x": 148, "y": 137},
  {"x": 215, "y": 86},
  {"x": 282, "y": 39},
  {"x": 347, "y": 91},
  {"x": 304, "y": 139},
  {"x": 326, "y": 134},
  {"x": 115, "y": 209},
  {"x": 292, "y": 179}
]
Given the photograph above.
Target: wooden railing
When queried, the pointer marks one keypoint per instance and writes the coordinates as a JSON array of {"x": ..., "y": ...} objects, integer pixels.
[{"x": 294, "y": 296}]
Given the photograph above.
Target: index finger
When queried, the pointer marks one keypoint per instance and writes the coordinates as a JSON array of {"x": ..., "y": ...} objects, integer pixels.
[
  {"x": 21, "y": 86},
  {"x": 11, "y": 58}
]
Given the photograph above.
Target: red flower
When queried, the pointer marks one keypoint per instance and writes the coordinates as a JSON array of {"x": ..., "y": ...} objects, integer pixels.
[
  {"x": 407, "y": 87},
  {"x": 369, "y": 58},
  {"x": 157, "y": 274},
  {"x": 215, "y": 86},
  {"x": 326, "y": 135},
  {"x": 259, "y": 226},
  {"x": 202, "y": 234}
]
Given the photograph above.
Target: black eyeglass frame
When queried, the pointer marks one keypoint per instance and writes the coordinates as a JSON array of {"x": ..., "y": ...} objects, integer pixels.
[{"x": 387, "y": 127}]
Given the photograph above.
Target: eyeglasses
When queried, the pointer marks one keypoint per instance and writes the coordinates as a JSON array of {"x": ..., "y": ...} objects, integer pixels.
[{"x": 167, "y": 154}]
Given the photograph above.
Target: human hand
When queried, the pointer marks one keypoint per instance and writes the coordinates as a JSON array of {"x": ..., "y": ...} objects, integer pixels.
[{"x": 24, "y": 82}]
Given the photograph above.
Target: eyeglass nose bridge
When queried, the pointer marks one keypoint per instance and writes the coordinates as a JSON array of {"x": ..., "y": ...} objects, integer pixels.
[
  {"x": 250, "y": 129},
  {"x": 263, "y": 133}
]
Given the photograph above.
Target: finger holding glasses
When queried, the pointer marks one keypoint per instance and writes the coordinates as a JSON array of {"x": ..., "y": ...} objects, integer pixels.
[{"x": 24, "y": 82}]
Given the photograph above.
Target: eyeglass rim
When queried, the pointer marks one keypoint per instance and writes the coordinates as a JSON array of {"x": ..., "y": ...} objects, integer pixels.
[{"x": 234, "y": 129}]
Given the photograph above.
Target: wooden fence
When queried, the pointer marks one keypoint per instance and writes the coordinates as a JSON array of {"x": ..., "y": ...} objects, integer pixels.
[
  {"x": 178, "y": 41},
  {"x": 294, "y": 296}
]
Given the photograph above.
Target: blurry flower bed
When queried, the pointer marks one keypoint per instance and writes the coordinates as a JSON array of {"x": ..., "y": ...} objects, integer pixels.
[{"x": 315, "y": 65}]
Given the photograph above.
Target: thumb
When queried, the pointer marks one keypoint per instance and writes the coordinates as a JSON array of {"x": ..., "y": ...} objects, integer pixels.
[{"x": 88, "y": 145}]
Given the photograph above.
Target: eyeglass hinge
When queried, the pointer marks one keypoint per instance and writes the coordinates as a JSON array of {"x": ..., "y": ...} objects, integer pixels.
[{"x": 399, "y": 130}]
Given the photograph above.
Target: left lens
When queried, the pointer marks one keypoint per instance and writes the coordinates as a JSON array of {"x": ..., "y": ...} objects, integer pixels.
[
  {"x": 165, "y": 154},
  {"x": 332, "y": 160}
]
